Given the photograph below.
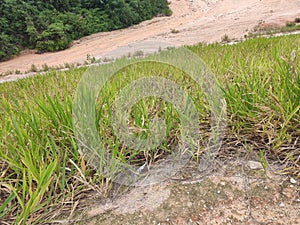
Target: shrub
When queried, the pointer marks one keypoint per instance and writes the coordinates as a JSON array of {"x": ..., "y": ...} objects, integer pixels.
[
  {"x": 33, "y": 68},
  {"x": 167, "y": 12},
  {"x": 45, "y": 67},
  {"x": 225, "y": 38},
  {"x": 7, "y": 47},
  {"x": 297, "y": 20},
  {"x": 174, "y": 31},
  {"x": 290, "y": 24},
  {"x": 90, "y": 59},
  {"x": 53, "y": 39},
  {"x": 138, "y": 53}
]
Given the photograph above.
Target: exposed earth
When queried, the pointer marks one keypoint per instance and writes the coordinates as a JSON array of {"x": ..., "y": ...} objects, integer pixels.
[
  {"x": 193, "y": 21},
  {"x": 238, "y": 193}
]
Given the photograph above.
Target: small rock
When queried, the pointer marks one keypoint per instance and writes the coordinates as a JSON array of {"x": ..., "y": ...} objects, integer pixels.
[
  {"x": 254, "y": 165},
  {"x": 293, "y": 181},
  {"x": 282, "y": 204},
  {"x": 218, "y": 191},
  {"x": 223, "y": 183}
]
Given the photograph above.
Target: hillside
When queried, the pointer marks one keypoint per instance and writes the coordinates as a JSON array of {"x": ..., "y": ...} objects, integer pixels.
[
  {"x": 197, "y": 21},
  {"x": 53, "y": 25}
]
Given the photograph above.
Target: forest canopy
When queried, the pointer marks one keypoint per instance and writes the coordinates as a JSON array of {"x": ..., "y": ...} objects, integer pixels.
[{"x": 51, "y": 25}]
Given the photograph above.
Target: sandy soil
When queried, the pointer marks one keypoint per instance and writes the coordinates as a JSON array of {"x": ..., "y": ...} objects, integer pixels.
[{"x": 194, "y": 20}]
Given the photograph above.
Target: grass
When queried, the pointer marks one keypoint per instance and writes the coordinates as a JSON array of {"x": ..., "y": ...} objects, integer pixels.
[
  {"x": 225, "y": 39},
  {"x": 290, "y": 26},
  {"x": 42, "y": 170}
]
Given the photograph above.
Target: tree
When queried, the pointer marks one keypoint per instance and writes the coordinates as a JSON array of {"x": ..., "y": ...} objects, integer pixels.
[
  {"x": 7, "y": 46},
  {"x": 31, "y": 32},
  {"x": 50, "y": 25},
  {"x": 53, "y": 39}
]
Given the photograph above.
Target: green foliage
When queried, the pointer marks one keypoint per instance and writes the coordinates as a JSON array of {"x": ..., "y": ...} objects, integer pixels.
[
  {"x": 52, "y": 25},
  {"x": 7, "y": 46},
  {"x": 53, "y": 39},
  {"x": 290, "y": 24}
]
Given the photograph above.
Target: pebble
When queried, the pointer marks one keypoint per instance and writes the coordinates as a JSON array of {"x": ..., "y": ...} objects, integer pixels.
[
  {"x": 223, "y": 183},
  {"x": 293, "y": 181},
  {"x": 282, "y": 204},
  {"x": 254, "y": 165}
]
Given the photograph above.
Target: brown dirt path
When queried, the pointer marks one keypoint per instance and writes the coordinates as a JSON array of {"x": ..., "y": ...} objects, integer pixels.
[{"x": 195, "y": 20}]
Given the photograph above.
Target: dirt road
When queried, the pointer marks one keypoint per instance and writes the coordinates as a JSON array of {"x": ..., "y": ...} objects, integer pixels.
[{"x": 193, "y": 21}]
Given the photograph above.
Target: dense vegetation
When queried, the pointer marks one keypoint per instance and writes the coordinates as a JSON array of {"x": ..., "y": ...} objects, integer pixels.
[
  {"x": 41, "y": 167},
  {"x": 52, "y": 25}
]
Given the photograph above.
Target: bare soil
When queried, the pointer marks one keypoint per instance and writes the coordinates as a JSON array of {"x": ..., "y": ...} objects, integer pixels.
[
  {"x": 193, "y": 21},
  {"x": 235, "y": 194}
]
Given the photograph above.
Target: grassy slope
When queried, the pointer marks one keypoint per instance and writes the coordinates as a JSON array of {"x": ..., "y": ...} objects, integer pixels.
[{"x": 39, "y": 160}]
